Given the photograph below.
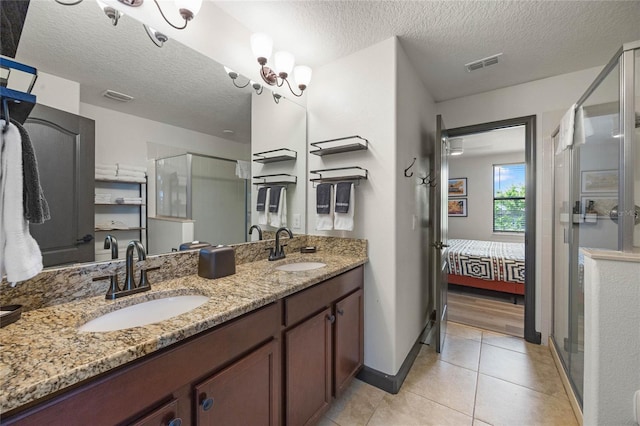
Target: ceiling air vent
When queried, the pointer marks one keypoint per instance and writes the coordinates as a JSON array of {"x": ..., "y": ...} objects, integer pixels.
[
  {"x": 117, "y": 96},
  {"x": 483, "y": 63}
]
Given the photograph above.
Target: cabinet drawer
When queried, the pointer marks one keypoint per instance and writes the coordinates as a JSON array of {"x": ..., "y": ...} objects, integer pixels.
[{"x": 307, "y": 302}]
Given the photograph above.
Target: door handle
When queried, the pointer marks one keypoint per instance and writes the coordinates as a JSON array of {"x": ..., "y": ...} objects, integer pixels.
[
  {"x": 84, "y": 240},
  {"x": 439, "y": 245}
]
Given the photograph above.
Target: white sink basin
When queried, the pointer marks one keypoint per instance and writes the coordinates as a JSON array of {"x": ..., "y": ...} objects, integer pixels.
[
  {"x": 144, "y": 313},
  {"x": 300, "y": 266}
]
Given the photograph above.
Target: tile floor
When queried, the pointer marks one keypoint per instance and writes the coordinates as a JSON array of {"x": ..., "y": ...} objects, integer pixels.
[{"x": 480, "y": 378}]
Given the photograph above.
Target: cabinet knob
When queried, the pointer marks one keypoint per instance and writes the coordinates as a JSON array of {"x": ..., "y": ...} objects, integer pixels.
[
  {"x": 331, "y": 318},
  {"x": 340, "y": 311},
  {"x": 207, "y": 404},
  {"x": 175, "y": 422}
]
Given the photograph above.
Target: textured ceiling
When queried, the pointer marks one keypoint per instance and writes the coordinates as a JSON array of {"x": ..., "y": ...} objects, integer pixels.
[
  {"x": 173, "y": 85},
  {"x": 539, "y": 39},
  {"x": 181, "y": 87}
]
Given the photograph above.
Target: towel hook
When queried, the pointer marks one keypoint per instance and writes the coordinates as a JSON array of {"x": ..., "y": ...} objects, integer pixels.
[{"x": 407, "y": 169}]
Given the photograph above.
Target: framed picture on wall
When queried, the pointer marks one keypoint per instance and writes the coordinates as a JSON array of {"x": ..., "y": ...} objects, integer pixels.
[
  {"x": 458, "y": 207},
  {"x": 599, "y": 181},
  {"x": 458, "y": 187}
]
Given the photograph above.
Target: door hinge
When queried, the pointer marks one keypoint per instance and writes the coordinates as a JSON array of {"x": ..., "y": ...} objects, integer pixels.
[{"x": 439, "y": 245}]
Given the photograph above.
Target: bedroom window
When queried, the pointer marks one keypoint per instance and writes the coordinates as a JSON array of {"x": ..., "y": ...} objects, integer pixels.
[{"x": 509, "y": 197}]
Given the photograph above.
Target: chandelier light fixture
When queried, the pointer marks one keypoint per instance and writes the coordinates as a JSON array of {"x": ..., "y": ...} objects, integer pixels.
[
  {"x": 188, "y": 9},
  {"x": 259, "y": 88},
  {"x": 262, "y": 47},
  {"x": 111, "y": 12}
]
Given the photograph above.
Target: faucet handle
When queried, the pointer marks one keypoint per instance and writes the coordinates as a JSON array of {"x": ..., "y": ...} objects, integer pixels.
[{"x": 282, "y": 246}]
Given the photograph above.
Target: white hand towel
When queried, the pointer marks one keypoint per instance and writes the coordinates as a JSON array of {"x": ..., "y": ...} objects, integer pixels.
[
  {"x": 583, "y": 128},
  {"x": 567, "y": 125},
  {"x": 130, "y": 179},
  {"x": 344, "y": 221},
  {"x": 101, "y": 171},
  {"x": 243, "y": 169},
  {"x": 109, "y": 167},
  {"x": 324, "y": 222},
  {"x": 102, "y": 176},
  {"x": 263, "y": 216},
  {"x": 131, "y": 173},
  {"x": 279, "y": 218},
  {"x": 20, "y": 256},
  {"x": 128, "y": 167}
]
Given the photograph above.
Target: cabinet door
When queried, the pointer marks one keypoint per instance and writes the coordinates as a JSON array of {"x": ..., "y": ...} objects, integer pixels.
[
  {"x": 308, "y": 369},
  {"x": 245, "y": 393},
  {"x": 349, "y": 350}
]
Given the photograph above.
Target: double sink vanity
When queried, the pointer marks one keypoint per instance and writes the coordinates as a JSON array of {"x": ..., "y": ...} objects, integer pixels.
[{"x": 272, "y": 344}]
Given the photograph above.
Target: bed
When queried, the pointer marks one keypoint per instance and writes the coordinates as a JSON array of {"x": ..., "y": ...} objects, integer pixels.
[{"x": 488, "y": 265}]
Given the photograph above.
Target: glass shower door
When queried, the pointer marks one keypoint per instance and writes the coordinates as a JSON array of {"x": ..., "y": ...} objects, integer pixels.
[{"x": 586, "y": 192}]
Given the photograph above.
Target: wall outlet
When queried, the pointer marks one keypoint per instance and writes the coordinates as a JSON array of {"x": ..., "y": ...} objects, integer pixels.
[{"x": 296, "y": 221}]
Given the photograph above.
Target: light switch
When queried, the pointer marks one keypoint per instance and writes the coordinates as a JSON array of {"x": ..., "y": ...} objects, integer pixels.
[{"x": 296, "y": 221}]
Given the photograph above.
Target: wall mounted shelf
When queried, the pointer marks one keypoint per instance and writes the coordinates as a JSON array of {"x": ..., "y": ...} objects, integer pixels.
[
  {"x": 340, "y": 145},
  {"x": 340, "y": 174},
  {"x": 275, "y": 179},
  {"x": 275, "y": 155}
]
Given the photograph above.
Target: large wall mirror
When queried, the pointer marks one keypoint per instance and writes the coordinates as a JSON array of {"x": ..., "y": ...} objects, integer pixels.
[{"x": 186, "y": 120}]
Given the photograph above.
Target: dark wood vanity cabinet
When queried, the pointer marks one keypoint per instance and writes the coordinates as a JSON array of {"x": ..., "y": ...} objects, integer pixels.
[
  {"x": 323, "y": 345},
  {"x": 161, "y": 387},
  {"x": 279, "y": 365}
]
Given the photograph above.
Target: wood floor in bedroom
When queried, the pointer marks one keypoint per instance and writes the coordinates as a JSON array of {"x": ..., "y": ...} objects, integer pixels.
[{"x": 496, "y": 313}]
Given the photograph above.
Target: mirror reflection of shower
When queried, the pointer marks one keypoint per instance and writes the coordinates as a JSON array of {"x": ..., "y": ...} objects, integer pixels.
[{"x": 204, "y": 194}]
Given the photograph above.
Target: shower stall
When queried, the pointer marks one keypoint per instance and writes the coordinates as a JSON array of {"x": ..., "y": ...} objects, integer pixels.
[
  {"x": 205, "y": 193},
  {"x": 596, "y": 196}
]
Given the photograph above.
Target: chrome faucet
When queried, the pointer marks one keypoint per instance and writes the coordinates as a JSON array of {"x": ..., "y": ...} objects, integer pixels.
[
  {"x": 257, "y": 227},
  {"x": 277, "y": 252},
  {"x": 110, "y": 242}
]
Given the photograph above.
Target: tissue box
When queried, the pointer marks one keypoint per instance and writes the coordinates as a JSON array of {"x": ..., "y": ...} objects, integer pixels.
[{"x": 216, "y": 262}]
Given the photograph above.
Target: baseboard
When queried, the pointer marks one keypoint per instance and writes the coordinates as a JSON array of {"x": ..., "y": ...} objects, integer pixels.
[
  {"x": 391, "y": 383},
  {"x": 573, "y": 400}
]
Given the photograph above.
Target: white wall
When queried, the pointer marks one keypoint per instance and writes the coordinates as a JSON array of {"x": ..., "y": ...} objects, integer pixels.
[
  {"x": 415, "y": 127},
  {"x": 612, "y": 340},
  {"x": 275, "y": 126},
  {"x": 348, "y": 98},
  {"x": 123, "y": 138},
  {"x": 533, "y": 98},
  {"x": 478, "y": 170},
  {"x": 57, "y": 92}
]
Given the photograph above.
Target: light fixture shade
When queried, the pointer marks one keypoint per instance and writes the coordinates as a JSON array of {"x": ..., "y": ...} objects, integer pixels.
[
  {"x": 302, "y": 75},
  {"x": 284, "y": 62},
  {"x": 101, "y": 5},
  {"x": 191, "y": 5},
  {"x": 261, "y": 45}
]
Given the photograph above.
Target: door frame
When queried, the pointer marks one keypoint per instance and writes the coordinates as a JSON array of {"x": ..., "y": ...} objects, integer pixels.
[{"x": 530, "y": 333}]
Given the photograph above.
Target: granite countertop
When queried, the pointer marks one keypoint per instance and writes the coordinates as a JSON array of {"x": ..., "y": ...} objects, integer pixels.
[{"x": 43, "y": 352}]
